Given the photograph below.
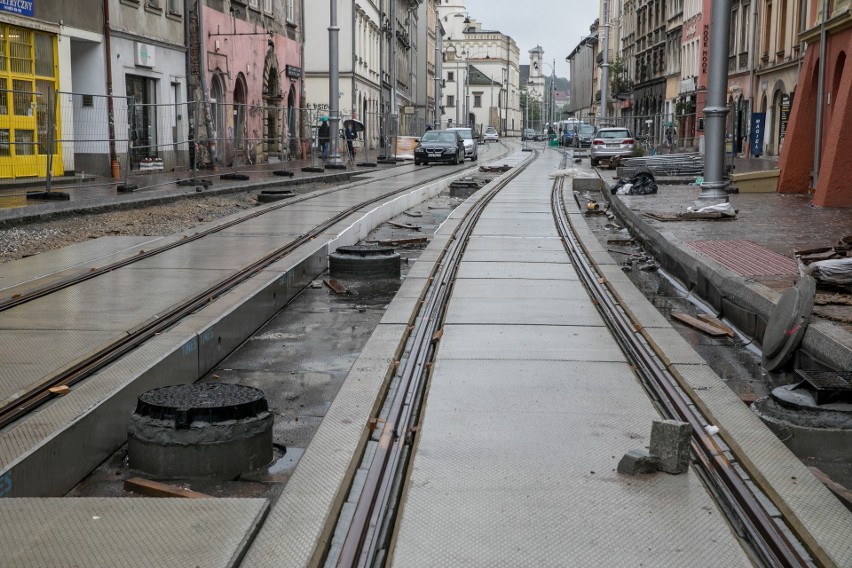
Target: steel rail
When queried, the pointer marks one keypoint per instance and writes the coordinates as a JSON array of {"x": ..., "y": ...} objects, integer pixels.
[
  {"x": 39, "y": 394},
  {"x": 19, "y": 299},
  {"x": 359, "y": 546},
  {"x": 761, "y": 530}
]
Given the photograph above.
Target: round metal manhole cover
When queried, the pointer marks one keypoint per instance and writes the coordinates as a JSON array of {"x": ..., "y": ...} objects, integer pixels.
[
  {"x": 787, "y": 323},
  {"x": 208, "y": 402}
]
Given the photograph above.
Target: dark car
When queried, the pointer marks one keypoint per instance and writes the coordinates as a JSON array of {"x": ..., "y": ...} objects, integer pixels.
[
  {"x": 578, "y": 135},
  {"x": 439, "y": 146},
  {"x": 584, "y": 136}
]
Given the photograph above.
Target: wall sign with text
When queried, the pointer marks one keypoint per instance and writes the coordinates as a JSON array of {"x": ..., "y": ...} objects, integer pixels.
[{"x": 19, "y": 7}]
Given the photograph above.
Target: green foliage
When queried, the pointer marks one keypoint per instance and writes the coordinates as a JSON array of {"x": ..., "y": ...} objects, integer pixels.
[{"x": 618, "y": 80}]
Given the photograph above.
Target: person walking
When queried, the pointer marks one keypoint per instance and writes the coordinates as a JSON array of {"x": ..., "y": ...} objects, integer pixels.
[
  {"x": 324, "y": 136},
  {"x": 350, "y": 135}
]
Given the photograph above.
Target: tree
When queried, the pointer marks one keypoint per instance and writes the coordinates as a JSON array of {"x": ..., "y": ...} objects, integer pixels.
[{"x": 619, "y": 82}]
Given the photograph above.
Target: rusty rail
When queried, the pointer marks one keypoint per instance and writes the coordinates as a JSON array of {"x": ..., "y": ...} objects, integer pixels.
[{"x": 770, "y": 544}]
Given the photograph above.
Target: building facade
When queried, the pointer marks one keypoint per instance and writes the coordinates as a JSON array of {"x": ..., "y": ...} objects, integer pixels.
[
  {"x": 246, "y": 62},
  {"x": 804, "y": 170},
  {"x": 48, "y": 48}
]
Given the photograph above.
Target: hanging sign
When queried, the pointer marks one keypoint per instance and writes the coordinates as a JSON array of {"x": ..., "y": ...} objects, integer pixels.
[
  {"x": 758, "y": 123},
  {"x": 19, "y": 7},
  {"x": 785, "y": 115},
  {"x": 293, "y": 72}
]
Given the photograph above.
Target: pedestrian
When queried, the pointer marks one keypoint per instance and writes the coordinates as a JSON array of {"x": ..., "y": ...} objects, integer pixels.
[
  {"x": 670, "y": 138},
  {"x": 350, "y": 135},
  {"x": 324, "y": 135}
]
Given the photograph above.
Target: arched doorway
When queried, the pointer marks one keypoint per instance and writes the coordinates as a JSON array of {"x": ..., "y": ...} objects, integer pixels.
[
  {"x": 219, "y": 113},
  {"x": 775, "y": 120},
  {"x": 272, "y": 97},
  {"x": 239, "y": 124}
]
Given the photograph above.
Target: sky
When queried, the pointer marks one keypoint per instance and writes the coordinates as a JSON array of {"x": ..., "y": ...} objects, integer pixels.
[{"x": 556, "y": 25}]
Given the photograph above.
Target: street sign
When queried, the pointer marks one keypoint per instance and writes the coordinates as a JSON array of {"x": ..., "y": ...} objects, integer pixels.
[{"x": 755, "y": 139}]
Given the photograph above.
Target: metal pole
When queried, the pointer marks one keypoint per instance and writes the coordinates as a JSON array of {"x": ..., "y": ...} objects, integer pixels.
[
  {"x": 394, "y": 113},
  {"x": 458, "y": 99},
  {"x": 715, "y": 112},
  {"x": 605, "y": 68},
  {"x": 820, "y": 95},
  {"x": 51, "y": 137},
  {"x": 113, "y": 156},
  {"x": 202, "y": 78},
  {"x": 354, "y": 31},
  {"x": 439, "y": 69},
  {"x": 334, "y": 83}
]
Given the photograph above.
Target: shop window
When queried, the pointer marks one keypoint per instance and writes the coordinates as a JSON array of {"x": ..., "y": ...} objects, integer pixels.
[
  {"x": 22, "y": 98},
  {"x": 20, "y": 52},
  {"x": 24, "y": 142},
  {"x": 44, "y": 64}
]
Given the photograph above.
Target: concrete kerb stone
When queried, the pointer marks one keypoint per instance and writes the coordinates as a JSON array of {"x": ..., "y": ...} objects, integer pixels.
[
  {"x": 670, "y": 443},
  {"x": 56, "y": 210},
  {"x": 823, "y": 341}
]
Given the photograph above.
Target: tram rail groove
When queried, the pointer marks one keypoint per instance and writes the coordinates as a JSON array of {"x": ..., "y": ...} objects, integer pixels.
[
  {"x": 760, "y": 530},
  {"x": 19, "y": 407},
  {"x": 388, "y": 468},
  {"x": 23, "y": 298}
]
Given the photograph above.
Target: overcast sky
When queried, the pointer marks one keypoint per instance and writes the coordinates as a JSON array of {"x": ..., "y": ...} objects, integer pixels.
[{"x": 556, "y": 25}]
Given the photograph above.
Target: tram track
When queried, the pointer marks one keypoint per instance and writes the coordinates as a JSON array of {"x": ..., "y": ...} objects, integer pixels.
[
  {"x": 770, "y": 544},
  {"x": 368, "y": 538},
  {"x": 47, "y": 389}
]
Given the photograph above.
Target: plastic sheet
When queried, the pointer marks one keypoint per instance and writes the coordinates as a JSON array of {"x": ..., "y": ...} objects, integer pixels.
[
  {"x": 834, "y": 271},
  {"x": 642, "y": 183}
]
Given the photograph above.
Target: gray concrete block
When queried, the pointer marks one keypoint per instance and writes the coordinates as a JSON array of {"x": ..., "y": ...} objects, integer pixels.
[
  {"x": 638, "y": 461},
  {"x": 587, "y": 184},
  {"x": 670, "y": 443}
]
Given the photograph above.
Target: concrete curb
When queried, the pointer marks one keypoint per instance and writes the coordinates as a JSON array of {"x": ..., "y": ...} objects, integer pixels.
[
  {"x": 55, "y": 210},
  {"x": 747, "y": 304}
]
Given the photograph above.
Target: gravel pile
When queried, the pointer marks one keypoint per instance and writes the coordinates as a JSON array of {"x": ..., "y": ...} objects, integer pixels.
[{"x": 156, "y": 220}]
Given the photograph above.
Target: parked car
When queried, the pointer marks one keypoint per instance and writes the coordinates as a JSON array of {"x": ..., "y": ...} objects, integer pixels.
[
  {"x": 611, "y": 142},
  {"x": 491, "y": 134},
  {"x": 528, "y": 134},
  {"x": 584, "y": 136},
  {"x": 439, "y": 146},
  {"x": 540, "y": 136},
  {"x": 470, "y": 149},
  {"x": 577, "y": 134}
]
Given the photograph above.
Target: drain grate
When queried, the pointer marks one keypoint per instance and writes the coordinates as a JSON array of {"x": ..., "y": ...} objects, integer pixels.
[
  {"x": 827, "y": 386},
  {"x": 746, "y": 258}
]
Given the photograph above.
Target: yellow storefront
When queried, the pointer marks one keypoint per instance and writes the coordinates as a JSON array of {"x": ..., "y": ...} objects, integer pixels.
[{"x": 28, "y": 84}]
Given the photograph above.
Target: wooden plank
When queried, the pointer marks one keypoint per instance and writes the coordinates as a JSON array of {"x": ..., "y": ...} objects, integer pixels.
[
  {"x": 698, "y": 324},
  {"x": 715, "y": 322},
  {"x": 155, "y": 489},
  {"x": 840, "y": 491},
  {"x": 413, "y": 213},
  {"x": 335, "y": 286},
  {"x": 404, "y": 226},
  {"x": 409, "y": 241}
]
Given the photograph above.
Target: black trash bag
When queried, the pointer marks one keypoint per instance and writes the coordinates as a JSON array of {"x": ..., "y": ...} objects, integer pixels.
[
  {"x": 643, "y": 184},
  {"x": 619, "y": 184}
]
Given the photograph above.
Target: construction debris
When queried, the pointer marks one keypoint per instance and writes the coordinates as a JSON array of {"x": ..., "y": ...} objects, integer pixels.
[
  {"x": 698, "y": 324},
  {"x": 404, "y": 226},
  {"x": 495, "y": 169},
  {"x": 335, "y": 286},
  {"x": 156, "y": 489}
]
